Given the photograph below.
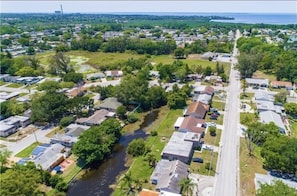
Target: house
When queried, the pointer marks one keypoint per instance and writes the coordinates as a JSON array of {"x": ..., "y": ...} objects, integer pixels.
[
  {"x": 65, "y": 140},
  {"x": 203, "y": 98},
  {"x": 282, "y": 84},
  {"x": 95, "y": 76},
  {"x": 17, "y": 121},
  {"x": 197, "y": 109},
  {"x": 257, "y": 82},
  {"x": 51, "y": 157},
  {"x": 263, "y": 96},
  {"x": 110, "y": 104},
  {"x": 6, "y": 130},
  {"x": 204, "y": 90},
  {"x": 177, "y": 148},
  {"x": 77, "y": 91},
  {"x": 114, "y": 73},
  {"x": 270, "y": 116},
  {"x": 192, "y": 124},
  {"x": 168, "y": 174},
  {"x": 96, "y": 119},
  {"x": 265, "y": 106},
  {"x": 197, "y": 77},
  {"x": 74, "y": 130}
]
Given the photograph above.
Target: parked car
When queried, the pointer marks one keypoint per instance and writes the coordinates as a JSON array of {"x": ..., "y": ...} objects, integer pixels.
[
  {"x": 213, "y": 109},
  {"x": 208, "y": 148},
  {"x": 213, "y": 117},
  {"x": 199, "y": 160},
  {"x": 211, "y": 124}
]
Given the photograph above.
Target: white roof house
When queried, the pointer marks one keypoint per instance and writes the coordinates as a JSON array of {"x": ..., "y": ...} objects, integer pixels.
[
  {"x": 265, "y": 106},
  {"x": 257, "y": 82},
  {"x": 177, "y": 148},
  {"x": 270, "y": 116},
  {"x": 263, "y": 96}
]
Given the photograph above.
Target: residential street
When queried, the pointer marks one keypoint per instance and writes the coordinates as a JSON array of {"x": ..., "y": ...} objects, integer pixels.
[
  {"x": 227, "y": 178},
  {"x": 18, "y": 146}
]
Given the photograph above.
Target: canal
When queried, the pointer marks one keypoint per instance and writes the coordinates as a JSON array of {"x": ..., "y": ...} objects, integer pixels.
[{"x": 97, "y": 181}]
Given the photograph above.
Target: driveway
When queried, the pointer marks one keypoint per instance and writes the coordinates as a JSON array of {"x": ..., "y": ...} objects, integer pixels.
[{"x": 204, "y": 184}]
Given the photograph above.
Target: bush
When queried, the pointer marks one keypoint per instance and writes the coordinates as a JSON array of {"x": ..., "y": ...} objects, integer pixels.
[
  {"x": 212, "y": 131},
  {"x": 154, "y": 133},
  {"x": 136, "y": 147},
  {"x": 132, "y": 118},
  {"x": 208, "y": 166},
  {"x": 65, "y": 121}
]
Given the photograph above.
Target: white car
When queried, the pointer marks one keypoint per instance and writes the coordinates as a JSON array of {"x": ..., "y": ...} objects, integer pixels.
[{"x": 211, "y": 124}]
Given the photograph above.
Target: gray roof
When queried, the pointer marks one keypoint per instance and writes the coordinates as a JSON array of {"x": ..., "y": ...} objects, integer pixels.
[
  {"x": 110, "y": 103},
  {"x": 168, "y": 175},
  {"x": 178, "y": 146},
  {"x": 204, "y": 98},
  {"x": 265, "y": 105},
  {"x": 270, "y": 116},
  {"x": 95, "y": 75},
  {"x": 50, "y": 156},
  {"x": 257, "y": 81},
  {"x": 264, "y": 96},
  {"x": 75, "y": 129}
]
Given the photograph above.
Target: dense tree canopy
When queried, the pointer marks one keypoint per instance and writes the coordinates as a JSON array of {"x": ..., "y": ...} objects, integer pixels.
[
  {"x": 277, "y": 188},
  {"x": 97, "y": 142},
  {"x": 279, "y": 153}
]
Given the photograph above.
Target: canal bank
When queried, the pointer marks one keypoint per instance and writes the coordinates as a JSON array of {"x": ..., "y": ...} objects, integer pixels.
[{"x": 97, "y": 181}]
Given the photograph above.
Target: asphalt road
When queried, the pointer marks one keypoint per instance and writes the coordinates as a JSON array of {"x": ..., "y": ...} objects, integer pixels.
[{"x": 227, "y": 178}]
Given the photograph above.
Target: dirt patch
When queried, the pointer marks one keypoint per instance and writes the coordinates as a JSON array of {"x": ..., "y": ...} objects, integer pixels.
[
  {"x": 194, "y": 56},
  {"x": 163, "y": 139},
  {"x": 23, "y": 132}
]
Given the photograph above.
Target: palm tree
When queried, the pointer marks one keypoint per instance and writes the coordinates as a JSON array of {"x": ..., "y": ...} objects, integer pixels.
[
  {"x": 186, "y": 184},
  {"x": 126, "y": 185},
  {"x": 151, "y": 158}
]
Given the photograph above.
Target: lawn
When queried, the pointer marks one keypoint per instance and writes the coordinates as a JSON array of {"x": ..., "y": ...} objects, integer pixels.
[
  {"x": 72, "y": 170},
  {"x": 260, "y": 74},
  {"x": 201, "y": 168},
  {"x": 212, "y": 140},
  {"x": 27, "y": 151},
  {"x": 248, "y": 167},
  {"x": 54, "y": 132},
  {"x": 164, "y": 127},
  {"x": 14, "y": 85},
  {"x": 2, "y": 83},
  {"x": 246, "y": 118},
  {"x": 220, "y": 105},
  {"x": 248, "y": 96},
  {"x": 293, "y": 126}
]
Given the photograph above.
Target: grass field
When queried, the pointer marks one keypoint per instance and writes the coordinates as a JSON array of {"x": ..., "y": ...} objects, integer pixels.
[
  {"x": 248, "y": 167},
  {"x": 293, "y": 128},
  {"x": 14, "y": 85},
  {"x": 247, "y": 96},
  {"x": 260, "y": 74},
  {"x": 218, "y": 121},
  {"x": 201, "y": 168},
  {"x": 246, "y": 118},
  {"x": 27, "y": 151},
  {"x": 97, "y": 59},
  {"x": 220, "y": 105},
  {"x": 72, "y": 170},
  {"x": 213, "y": 140},
  {"x": 54, "y": 132}
]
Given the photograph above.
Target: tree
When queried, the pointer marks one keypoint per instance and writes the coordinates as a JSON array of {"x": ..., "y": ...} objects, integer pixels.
[
  {"x": 280, "y": 154},
  {"x": 247, "y": 64},
  {"x": 281, "y": 97},
  {"x": 121, "y": 112},
  {"x": 30, "y": 50},
  {"x": 277, "y": 188},
  {"x": 65, "y": 121},
  {"x": 49, "y": 86},
  {"x": 156, "y": 96},
  {"x": 97, "y": 142},
  {"x": 136, "y": 147},
  {"x": 176, "y": 100},
  {"x": 26, "y": 71},
  {"x": 179, "y": 53},
  {"x": 73, "y": 77},
  {"x": 212, "y": 131},
  {"x": 59, "y": 64},
  {"x": 151, "y": 159},
  {"x": 187, "y": 185},
  {"x": 291, "y": 109},
  {"x": 207, "y": 71},
  {"x": 49, "y": 107},
  {"x": 4, "y": 156}
]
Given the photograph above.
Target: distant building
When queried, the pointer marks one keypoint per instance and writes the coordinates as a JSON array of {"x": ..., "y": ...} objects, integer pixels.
[
  {"x": 110, "y": 104},
  {"x": 270, "y": 116},
  {"x": 257, "y": 82},
  {"x": 96, "y": 119}
]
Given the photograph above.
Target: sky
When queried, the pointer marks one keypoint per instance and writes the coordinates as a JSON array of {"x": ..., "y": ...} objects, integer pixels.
[{"x": 241, "y": 6}]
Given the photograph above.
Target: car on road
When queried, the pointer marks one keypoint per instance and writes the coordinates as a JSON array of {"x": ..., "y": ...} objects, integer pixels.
[{"x": 198, "y": 160}]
